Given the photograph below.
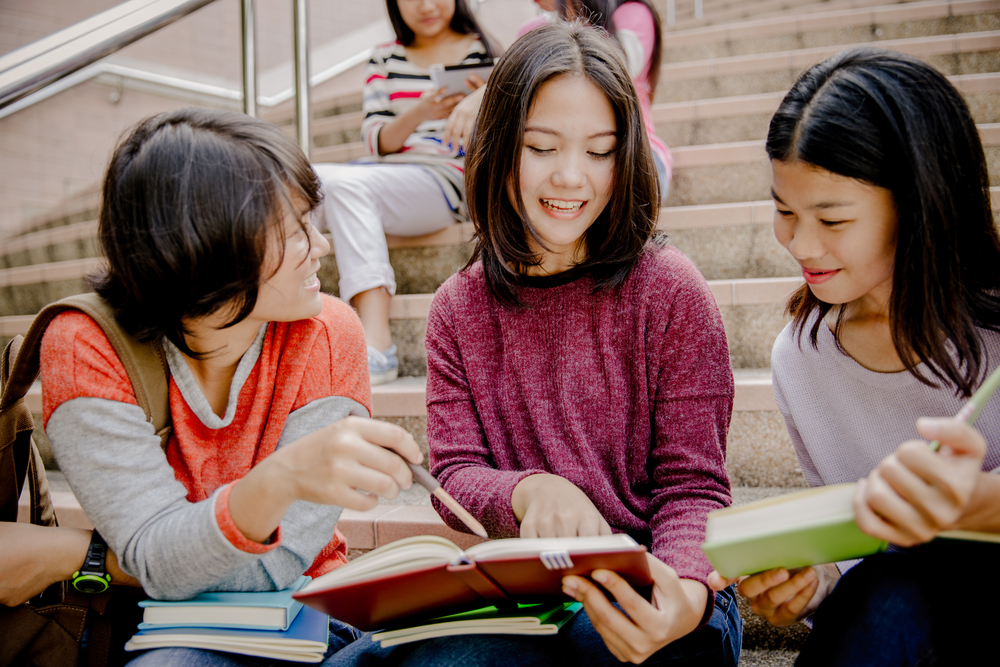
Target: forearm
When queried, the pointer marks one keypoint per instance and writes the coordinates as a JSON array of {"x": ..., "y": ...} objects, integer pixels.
[
  {"x": 393, "y": 135},
  {"x": 983, "y": 512},
  {"x": 116, "y": 468}
]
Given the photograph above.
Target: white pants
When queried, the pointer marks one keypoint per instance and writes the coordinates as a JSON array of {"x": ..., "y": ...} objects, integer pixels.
[{"x": 364, "y": 202}]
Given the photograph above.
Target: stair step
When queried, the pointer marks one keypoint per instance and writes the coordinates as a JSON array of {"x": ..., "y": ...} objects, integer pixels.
[
  {"x": 738, "y": 11},
  {"x": 822, "y": 28},
  {"x": 777, "y": 71}
]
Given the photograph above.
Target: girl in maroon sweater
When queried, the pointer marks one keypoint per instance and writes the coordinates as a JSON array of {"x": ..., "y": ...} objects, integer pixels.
[{"x": 579, "y": 380}]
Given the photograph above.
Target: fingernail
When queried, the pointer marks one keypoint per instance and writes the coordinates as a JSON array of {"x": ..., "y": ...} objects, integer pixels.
[
  {"x": 569, "y": 588},
  {"x": 928, "y": 426},
  {"x": 600, "y": 577}
]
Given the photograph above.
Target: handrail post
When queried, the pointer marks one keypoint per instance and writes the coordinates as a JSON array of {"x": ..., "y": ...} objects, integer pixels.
[
  {"x": 249, "y": 59},
  {"x": 670, "y": 12},
  {"x": 302, "y": 115},
  {"x": 697, "y": 9}
]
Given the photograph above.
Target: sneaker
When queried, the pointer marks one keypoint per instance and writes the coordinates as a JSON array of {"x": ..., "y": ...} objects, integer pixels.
[{"x": 382, "y": 366}]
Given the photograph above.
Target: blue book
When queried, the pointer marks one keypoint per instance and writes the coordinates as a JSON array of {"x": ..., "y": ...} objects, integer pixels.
[
  {"x": 304, "y": 641},
  {"x": 268, "y": 610}
]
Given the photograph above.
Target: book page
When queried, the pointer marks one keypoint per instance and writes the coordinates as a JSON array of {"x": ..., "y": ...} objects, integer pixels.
[
  {"x": 410, "y": 553},
  {"x": 519, "y": 547}
]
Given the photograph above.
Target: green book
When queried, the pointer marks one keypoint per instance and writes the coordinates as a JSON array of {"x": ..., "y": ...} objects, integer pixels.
[
  {"x": 526, "y": 619},
  {"x": 794, "y": 530}
]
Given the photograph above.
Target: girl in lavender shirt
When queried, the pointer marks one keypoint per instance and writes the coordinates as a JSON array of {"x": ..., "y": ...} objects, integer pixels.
[
  {"x": 579, "y": 380},
  {"x": 882, "y": 195}
]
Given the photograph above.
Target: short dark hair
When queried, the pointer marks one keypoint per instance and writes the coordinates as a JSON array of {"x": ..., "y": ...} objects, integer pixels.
[
  {"x": 600, "y": 13},
  {"x": 463, "y": 21},
  {"x": 618, "y": 236},
  {"x": 890, "y": 120},
  {"x": 191, "y": 201}
]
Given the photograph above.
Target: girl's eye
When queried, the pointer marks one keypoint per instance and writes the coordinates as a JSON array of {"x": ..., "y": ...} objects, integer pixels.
[
  {"x": 539, "y": 151},
  {"x": 832, "y": 223},
  {"x": 782, "y": 213},
  {"x": 600, "y": 156}
]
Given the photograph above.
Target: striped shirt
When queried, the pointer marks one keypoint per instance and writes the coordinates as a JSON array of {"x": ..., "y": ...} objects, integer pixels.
[{"x": 392, "y": 86}]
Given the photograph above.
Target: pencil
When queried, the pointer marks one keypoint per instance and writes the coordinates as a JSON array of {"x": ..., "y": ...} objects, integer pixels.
[
  {"x": 970, "y": 411},
  {"x": 425, "y": 480}
]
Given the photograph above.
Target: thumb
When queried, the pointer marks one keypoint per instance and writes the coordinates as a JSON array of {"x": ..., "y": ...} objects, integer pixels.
[{"x": 954, "y": 434}]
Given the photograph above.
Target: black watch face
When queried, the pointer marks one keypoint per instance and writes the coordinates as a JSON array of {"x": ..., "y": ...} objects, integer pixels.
[{"x": 90, "y": 584}]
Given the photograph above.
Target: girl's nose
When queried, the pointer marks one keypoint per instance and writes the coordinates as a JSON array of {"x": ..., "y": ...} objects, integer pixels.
[
  {"x": 805, "y": 243},
  {"x": 320, "y": 246},
  {"x": 569, "y": 173}
]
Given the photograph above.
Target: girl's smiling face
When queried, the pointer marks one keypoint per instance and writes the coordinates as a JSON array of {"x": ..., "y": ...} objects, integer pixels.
[
  {"x": 292, "y": 292},
  {"x": 567, "y": 167},
  {"x": 427, "y": 18},
  {"x": 842, "y": 232}
]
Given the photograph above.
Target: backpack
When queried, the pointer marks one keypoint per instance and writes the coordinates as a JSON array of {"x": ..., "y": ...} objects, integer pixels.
[{"x": 48, "y": 629}]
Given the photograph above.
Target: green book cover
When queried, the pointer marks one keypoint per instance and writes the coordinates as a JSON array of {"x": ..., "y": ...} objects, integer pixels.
[
  {"x": 526, "y": 619},
  {"x": 794, "y": 530}
]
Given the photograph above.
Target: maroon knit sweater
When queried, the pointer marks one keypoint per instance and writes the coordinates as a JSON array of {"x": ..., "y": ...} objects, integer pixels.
[{"x": 626, "y": 393}]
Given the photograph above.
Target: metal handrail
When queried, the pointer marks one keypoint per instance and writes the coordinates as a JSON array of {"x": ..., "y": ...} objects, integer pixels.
[
  {"x": 46, "y": 61},
  {"x": 671, "y": 12},
  {"x": 67, "y": 52}
]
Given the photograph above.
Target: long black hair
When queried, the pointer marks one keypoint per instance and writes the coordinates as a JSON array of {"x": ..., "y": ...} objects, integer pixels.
[
  {"x": 618, "y": 237},
  {"x": 192, "y": 200},
  {"x": 891, "y": 120},
  {"x": 463, "y": 21}
]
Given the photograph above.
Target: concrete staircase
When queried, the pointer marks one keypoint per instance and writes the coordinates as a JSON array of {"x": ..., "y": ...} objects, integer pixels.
[{"x": 722, "y": 77}]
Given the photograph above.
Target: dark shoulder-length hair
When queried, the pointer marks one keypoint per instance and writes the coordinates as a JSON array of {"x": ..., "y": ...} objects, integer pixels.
[
  {"x": 463, "y": 22},
  {"x": 890, "y": 120},
  {"x": 192, "y": 201},
  {"x": 600, "y": 13},
  {"x": 616, "y": 239}
]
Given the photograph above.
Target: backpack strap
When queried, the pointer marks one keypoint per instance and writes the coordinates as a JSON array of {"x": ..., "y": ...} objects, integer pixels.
[{"x": 145, "y": 364}]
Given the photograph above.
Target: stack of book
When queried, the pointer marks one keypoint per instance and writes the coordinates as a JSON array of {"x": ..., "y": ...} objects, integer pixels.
[{"x": 266, "y": 625}]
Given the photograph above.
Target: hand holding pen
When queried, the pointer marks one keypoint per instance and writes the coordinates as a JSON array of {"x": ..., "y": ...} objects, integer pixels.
[{"x": 920, "y": 491}]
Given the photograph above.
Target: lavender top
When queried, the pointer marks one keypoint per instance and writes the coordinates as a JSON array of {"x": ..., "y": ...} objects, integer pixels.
[{"x": 627, "y": 394}]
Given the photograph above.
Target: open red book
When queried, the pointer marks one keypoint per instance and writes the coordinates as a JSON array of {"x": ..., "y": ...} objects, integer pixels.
[{"x": 427, "y": 575}]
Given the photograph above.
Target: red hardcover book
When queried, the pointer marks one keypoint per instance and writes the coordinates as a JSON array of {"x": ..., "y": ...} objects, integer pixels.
[{"x": 424, "y": 576}]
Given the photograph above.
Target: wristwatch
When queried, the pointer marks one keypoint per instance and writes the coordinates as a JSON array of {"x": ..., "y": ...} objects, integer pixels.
[{"x": 93, "y": 576}]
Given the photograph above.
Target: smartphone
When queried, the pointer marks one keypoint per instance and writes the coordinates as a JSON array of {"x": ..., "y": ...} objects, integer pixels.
[{"x": 452, "y": 77}]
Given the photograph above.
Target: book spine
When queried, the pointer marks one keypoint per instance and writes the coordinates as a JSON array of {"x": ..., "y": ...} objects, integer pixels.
[{"x": 478, "y": 581}]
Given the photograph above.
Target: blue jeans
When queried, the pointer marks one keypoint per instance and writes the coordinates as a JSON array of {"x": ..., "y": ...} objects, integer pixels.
[
  {"x": 922, "y": 606},
  {"x": 661, "y": 171},
  {"x": 578, "y": 643}
]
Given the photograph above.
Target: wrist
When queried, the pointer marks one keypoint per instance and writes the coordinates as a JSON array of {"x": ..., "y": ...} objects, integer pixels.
[
  {"x": 258, "y": 501},
  {"x": 524, "y": 492},
  {"x": 697, "y": 596}
]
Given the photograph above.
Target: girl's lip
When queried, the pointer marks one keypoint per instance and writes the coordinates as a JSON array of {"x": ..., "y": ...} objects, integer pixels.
[
  {"x": 817, "y": 276},
  {"x": 563, "y": 215}
]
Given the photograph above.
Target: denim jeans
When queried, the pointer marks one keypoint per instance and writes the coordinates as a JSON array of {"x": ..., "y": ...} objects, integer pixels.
[
  {"x": 922, "y": 606},
  {"x": 661, "y": 171},
  {"x": 578, "y": 643}
]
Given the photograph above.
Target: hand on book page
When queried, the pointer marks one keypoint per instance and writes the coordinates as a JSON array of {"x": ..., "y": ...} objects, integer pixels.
[
  {"x": 677, "y": 607},
  {"x": 916, "y": 493},
  {"x": 783, "y": 596},
  {"x": 552, "y": 506}
]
